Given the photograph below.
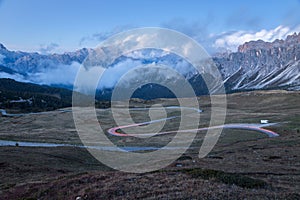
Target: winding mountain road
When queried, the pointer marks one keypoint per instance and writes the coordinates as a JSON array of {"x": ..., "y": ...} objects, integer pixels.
[
  {"x": 115, "y": 130},
  {"x": 245, "y": 126}
]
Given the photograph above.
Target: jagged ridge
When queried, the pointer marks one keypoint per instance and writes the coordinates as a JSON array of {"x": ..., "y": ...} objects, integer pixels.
[
  {"x": 263, "y": 65},
  {"x": 256, "y": 64}
]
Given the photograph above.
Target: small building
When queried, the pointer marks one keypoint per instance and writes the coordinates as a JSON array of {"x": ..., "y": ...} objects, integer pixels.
[
  {"x": 264, "y": 121},
  {"x": 179, "y": 165}
]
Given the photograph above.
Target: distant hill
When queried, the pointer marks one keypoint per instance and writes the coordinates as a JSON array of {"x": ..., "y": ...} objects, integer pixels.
[{"x": 28, "y": 97}]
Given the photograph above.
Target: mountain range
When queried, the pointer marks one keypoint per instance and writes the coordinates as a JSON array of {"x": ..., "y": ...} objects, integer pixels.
[
  {"x": 255, "y": 65},
  {"x": 263, "y": 65}
]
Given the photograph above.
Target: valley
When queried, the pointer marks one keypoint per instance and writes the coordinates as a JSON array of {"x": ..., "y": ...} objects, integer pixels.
[
  {"x": 243, "y": 164},
  {"x": 151, "y": 100}
]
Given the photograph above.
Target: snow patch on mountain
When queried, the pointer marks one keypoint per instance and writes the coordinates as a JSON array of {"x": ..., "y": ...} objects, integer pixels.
[
  {"x": 263, "y": 65},
  {"x": 233, "y": 39}
]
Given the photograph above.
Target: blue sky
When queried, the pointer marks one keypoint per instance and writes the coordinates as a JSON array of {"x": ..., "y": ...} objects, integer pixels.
[{"x": 51, "y": 26}]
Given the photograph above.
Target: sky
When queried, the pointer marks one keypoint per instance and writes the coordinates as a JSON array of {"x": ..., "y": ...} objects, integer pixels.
[{"x": 49, "y": 26}]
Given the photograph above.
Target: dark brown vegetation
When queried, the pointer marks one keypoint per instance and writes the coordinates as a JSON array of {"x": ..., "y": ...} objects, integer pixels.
[{"x": 243, "y": 165}]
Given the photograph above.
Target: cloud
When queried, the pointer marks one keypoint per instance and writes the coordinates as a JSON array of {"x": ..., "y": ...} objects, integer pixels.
[
  {"x": 136, "y": 59},
  {"x": 56, "y": 74},
  {"x": 16, "y": 77},
  {"x": 197, "y": 30},
  {"x": 231, "y": 40},
  {"x": 100, "y": 36},
  {"x": 112, "y": 74},
  {"x": 48, "y": 49},
  {"x": 53, "y": 74},
  {"x": 242, "y": 17},
  {"x": 194, "y": 29},
  {"x": 292, "y": 16}
]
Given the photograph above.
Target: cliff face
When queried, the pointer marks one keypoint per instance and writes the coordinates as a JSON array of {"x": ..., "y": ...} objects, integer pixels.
[{"x": 263, "y": 65}]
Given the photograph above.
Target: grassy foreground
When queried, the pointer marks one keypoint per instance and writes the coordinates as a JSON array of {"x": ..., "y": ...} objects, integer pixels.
[{"x": 243, "y": 164}]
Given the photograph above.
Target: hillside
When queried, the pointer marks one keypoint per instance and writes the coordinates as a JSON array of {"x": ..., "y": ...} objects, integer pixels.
[{"x": 28, "y": 97}]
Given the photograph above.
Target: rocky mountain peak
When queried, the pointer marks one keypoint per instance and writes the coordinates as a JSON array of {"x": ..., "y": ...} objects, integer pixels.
[
  {"x": 261, "y": 65},
  {"x": 259, "y": 44},
  {"x": 293, "y": 39},
  {"x": 2, "y": 47},
  {"x": 256, "y": 65},
  {"x": 290, "y": 41}
]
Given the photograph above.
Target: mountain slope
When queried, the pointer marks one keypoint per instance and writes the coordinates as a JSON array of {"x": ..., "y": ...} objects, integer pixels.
[
  {"x": 24, "y": 63},
  {"x": 27, "y": 97},
  {"x": 256, "y": 65},
  {"x": 263, "y": 65}
]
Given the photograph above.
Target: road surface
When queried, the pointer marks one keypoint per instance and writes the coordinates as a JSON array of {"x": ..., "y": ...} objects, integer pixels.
[{"x": 246, "y": 126}]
